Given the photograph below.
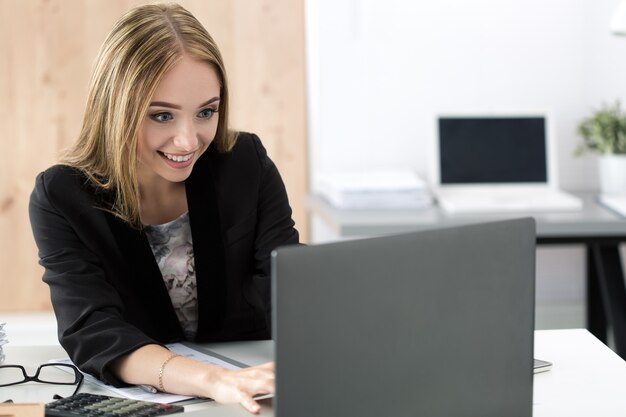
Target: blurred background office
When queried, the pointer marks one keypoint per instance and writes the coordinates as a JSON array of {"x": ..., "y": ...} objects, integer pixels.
[
  {"x": 328, "y": 85},
  {"x": 380, "y": 72}
]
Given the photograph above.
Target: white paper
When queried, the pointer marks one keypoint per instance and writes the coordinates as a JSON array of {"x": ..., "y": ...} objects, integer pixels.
[
  {"x": 137, "y": 393},
  {"x": 3, "y": 341},
  {"x": 399, "y": 188}
]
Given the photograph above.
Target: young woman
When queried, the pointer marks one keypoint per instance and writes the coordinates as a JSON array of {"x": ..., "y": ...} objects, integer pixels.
[{"x": 158, "y": 224}]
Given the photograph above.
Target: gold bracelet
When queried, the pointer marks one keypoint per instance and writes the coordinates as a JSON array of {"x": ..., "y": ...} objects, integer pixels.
[{"x": 162, "y": 368}]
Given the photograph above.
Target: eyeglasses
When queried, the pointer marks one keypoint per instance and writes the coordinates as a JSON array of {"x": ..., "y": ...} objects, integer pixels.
[{"x": 46, "y": 374}]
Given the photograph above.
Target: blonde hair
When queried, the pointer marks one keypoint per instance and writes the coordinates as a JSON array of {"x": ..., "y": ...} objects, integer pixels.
[{"x": 143, "y": 45}]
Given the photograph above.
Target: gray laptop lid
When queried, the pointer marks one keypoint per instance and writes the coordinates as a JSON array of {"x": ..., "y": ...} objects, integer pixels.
[{"x": 432, "y": 323}]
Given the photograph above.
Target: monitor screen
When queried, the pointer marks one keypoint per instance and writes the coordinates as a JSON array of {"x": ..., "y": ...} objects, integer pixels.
[{"x": 488, "y": 150}]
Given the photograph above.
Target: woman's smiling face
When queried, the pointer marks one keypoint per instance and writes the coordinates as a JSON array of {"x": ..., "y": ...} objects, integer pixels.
[{"x": 180, "y": 124}]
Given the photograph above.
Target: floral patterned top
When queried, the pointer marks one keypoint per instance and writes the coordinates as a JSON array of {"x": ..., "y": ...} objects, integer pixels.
[{"x": 173, "y": 249}]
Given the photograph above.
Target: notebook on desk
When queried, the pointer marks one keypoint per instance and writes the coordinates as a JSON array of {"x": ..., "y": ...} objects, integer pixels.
[
  {"x": 505, "y": 163},
  {"x": 433, "y": 323}
]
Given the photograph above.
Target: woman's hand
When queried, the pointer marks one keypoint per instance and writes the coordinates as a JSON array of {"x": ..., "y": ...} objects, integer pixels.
[
  {"x": 239, "y": 386},
  {"x": 154, "y": 365}
]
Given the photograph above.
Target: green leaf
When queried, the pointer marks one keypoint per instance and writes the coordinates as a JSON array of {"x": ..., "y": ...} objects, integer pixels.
[{"x": 604, "y": 132}]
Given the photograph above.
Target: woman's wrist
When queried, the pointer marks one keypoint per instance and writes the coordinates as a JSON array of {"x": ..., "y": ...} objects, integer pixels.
[
  {"x": 160, "y": 386},
  {"x": 209, "y": 379}
]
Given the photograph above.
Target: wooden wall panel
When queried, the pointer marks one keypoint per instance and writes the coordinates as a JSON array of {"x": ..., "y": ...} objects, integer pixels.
[
  {"x": 46, "y": 57},
  {"x": 268, "y": 89}
]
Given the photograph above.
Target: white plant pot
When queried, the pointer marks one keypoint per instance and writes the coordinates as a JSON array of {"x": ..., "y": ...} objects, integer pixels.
[{"x": 613, "y": 174}]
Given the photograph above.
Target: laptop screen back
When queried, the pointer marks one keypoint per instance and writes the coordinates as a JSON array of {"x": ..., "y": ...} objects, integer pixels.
[
  {"x": 492, "y": 150},
  {"x": 433, "y": 323}
]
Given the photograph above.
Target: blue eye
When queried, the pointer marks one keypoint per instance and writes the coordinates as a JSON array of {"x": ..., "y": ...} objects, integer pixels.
[
  {"x": 207, "y": 113},
  {"x": 162, "y": 117}
]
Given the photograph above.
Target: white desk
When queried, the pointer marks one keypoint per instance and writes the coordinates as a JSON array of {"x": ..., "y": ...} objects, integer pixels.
[
  {"x": 600, "y": 230},
  {"x": 587, "y": 378}
]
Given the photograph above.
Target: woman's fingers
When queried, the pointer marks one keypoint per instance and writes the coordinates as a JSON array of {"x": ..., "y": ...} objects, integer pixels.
[
  {"x": 240, "y": 386},
  {"x": 251, "y": 383},
  {"x": 249, "y": 404},
  {"x": 260, "y": 386},
  {"x": 256, "y": 380}
]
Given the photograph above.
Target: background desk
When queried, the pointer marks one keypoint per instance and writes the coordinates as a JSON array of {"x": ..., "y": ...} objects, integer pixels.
[
  {"x": 587, "y": 378},
  {"x": 600, "y": 230}
]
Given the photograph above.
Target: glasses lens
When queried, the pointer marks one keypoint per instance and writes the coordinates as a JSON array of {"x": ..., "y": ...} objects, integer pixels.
[
  {"x": 57, "y": 374},
  {"x": 11, "y": 375}
]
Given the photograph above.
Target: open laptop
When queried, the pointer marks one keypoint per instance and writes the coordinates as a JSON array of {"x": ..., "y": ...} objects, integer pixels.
[
  {"x": 503, "y": 163},
  {"x": 432, "y": 323}
]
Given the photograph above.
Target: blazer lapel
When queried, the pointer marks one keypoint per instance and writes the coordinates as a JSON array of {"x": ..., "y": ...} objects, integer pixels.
[
  {"x": 208, "y": 248},
  {"x": 145, "y": 278}
]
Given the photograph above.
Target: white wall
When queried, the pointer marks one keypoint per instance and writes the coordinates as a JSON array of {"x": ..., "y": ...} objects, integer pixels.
[
  {"x": 379, "y": 72},
  {"x": 382, "y": 70},
  {"x": 605, "y": 56}
]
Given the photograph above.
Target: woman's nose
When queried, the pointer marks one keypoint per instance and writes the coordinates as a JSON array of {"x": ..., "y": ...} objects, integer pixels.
[{"x": 186, "y": 137}]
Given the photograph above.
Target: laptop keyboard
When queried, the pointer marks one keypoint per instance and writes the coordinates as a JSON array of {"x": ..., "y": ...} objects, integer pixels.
[{"x": 506, "y": 200}]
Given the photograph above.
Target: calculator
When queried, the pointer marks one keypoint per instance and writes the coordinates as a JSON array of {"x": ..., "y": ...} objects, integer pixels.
[{"x": 92, "y": 405}]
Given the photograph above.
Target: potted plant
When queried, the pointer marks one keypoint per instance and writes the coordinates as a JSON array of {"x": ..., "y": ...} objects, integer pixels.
[{"x": 604, "y": 133}]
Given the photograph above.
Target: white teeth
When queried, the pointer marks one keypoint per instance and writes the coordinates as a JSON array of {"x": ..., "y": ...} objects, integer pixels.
[{"x": 178, "y": 158}]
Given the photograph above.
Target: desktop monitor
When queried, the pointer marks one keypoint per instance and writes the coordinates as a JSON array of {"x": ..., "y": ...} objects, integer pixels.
[{"x": 492, "y": 150}]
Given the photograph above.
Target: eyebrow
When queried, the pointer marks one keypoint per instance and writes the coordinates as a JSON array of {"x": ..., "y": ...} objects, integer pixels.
[{"x": 176, "y": 106}]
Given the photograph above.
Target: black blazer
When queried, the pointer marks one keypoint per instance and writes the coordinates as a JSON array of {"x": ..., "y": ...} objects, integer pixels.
[{"x": 106, "y": 287}]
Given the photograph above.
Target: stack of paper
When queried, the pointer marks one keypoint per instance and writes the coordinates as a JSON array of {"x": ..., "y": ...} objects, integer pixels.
[
  {"x": 3, "y": 341},
  {"x": 373, "y": 189}
]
